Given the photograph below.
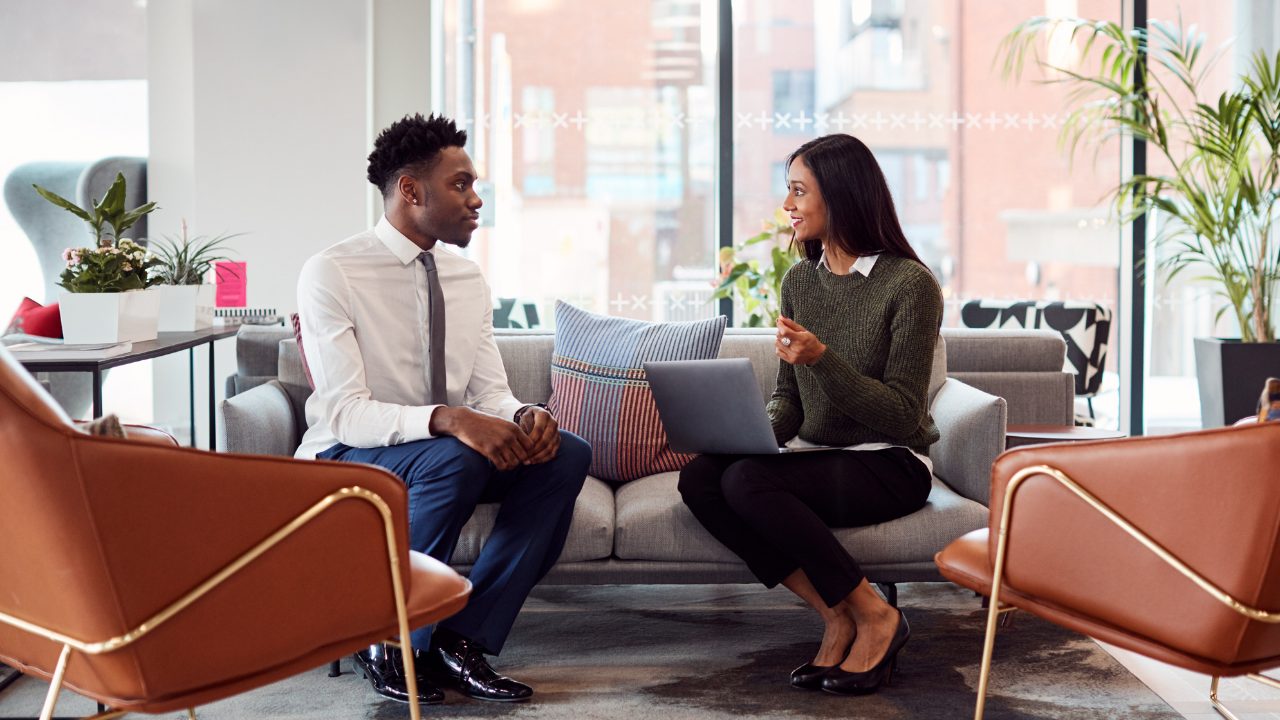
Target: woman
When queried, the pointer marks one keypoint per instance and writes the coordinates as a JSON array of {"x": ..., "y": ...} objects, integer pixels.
[{"x": 860, "y": 316}]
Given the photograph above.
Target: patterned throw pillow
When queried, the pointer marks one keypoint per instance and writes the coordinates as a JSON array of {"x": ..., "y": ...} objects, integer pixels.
[
  {"x": 302, "y": 354},
  {"x": 599, "y": 390},
  {"x": 1269, "y": 403}
]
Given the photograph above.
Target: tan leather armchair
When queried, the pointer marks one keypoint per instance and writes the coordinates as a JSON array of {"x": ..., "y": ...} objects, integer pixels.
[
  {"x": 151, "y": 577},
  {"x": 1168, "y": 546}
]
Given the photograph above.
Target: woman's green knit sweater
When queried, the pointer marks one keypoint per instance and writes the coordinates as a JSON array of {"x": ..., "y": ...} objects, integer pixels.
[{"x": 872, "y": 383}]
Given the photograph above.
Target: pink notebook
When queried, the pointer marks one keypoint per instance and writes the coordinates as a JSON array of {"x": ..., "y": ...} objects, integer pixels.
[{"x": 233, "y": 283}]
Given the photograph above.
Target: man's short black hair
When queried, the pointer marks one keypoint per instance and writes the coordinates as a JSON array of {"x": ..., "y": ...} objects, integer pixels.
[{"x": 412, "y": 142}]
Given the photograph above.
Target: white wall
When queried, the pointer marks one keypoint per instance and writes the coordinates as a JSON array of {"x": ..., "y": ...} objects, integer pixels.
[{"x": 262, "y": 116}]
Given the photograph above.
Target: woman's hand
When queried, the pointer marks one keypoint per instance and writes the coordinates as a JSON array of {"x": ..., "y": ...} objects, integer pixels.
[{"x": 796, "y": 345}]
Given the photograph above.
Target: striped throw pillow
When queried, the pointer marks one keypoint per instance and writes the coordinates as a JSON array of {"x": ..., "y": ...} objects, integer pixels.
[{"x": 600, "y": 393}]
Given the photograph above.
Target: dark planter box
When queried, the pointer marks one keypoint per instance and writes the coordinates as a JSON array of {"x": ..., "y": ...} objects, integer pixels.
[{"x": 1230, "y": 375}]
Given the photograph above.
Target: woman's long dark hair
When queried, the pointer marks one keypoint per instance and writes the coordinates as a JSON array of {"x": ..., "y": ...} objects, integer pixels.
[{"x": 861, "y": 219}]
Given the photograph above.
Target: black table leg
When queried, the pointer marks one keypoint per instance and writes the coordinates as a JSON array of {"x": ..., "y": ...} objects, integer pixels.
[
  {"x": 97, "y": 394},
  {"x": 213, "y": 415},
  {"x": 191, "y": 395}
]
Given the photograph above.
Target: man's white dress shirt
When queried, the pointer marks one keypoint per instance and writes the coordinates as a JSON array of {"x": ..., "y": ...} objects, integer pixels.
[{"x": 363, "y": 305}]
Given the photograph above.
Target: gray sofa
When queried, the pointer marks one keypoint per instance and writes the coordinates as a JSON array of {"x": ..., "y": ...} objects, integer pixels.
[{"x": 640, "y": 532}]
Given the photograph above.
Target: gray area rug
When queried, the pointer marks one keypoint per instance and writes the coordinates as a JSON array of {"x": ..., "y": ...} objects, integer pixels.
[{"x": 721, "y": 652}]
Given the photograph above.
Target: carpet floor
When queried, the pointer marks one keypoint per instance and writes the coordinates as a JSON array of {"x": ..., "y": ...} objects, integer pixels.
[{"x": 724, "y": 652}]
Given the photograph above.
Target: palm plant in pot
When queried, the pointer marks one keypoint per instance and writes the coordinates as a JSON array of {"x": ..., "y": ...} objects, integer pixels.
[
  {"x": 1213, "y": 195},
  {"x": 104, "y": 300},
  {"x": 182, "y": 269}
]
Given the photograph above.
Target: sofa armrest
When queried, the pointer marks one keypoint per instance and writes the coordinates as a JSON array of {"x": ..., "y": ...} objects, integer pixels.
[
  {"x": 148, "y": 434},
  {"x": 143, "y": 433},
  {"x": 260, "y": 421},
  {"x": 972, "y": 427}
]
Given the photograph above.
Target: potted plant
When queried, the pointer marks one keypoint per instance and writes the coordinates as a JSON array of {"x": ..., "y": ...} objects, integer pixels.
[
  {"x": 182, "y": 268},
  {"x": 105, "y": 300},
  {"x": 1215, "y": 182},
  {"x": 757, "y": 281}
]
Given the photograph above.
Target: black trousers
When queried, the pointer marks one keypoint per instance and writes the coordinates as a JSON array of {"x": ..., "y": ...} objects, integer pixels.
[{"x": 776, "y": 511}]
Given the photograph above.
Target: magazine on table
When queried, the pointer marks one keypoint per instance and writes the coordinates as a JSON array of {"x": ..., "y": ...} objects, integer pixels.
[{"x": 32, "y": 347}]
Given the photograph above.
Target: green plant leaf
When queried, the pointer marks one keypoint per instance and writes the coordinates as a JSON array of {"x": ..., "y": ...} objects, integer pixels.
[
  {"x": 63, "y": 203},
  {"x": 113, "y": 202}
]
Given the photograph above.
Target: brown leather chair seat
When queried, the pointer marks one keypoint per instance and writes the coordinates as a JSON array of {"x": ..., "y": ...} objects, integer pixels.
[
  {"x": 167, "y": 577},
  {"x": 1168, "y": 546}
]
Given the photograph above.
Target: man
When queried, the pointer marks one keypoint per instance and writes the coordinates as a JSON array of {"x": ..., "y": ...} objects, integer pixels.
[{"x": 398, "y": 335}]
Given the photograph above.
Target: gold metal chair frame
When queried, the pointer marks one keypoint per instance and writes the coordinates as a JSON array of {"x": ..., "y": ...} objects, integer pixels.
[
  {"x": 994, "y": 610},
  {"x": 116, "y": 643}
]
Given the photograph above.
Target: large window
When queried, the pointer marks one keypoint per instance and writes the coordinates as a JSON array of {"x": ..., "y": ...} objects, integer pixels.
[
  {"x": 982, "y": 189},
  {"x": 1184, "y": 308},
  {"x": 594, "y": 125},
  {"x": 610, "y": 201},
  {"x": 73, "y": 88}
]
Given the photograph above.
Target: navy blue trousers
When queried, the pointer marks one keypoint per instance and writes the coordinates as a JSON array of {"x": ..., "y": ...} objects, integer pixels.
[{"x": 446, "y": 480}]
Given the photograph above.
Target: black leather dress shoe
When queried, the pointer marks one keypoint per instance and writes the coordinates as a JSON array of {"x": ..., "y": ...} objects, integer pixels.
[
  {"x": 458, "y": 662},
  {"x": 383, "y": 666}
]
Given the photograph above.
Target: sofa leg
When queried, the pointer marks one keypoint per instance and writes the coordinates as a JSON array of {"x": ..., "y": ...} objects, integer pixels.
[
  {"x": 335, "y": 669},
  {"x": 890, "y": 592}
]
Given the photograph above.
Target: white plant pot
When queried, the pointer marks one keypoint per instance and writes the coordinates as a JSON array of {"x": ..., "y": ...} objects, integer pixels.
[
  {"x": 130, "y": 316},
  {"x": 185, "y": 308}
]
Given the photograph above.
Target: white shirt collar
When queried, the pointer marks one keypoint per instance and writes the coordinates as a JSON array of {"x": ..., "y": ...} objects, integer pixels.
[
  {"x": 862, "y": 265},
  {"x": 402, "y": 247}
]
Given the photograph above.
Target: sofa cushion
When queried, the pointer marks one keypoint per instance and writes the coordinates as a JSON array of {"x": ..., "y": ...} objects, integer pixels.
[
  {"x": 526, "y": 356},
  {"x": 938, "y": 373},
  {"x": 590, "y": 532},
  {"x": 292, "y": 365},
  {"x": 654, "y": 524},
  {"x": 599, "y": 390}
]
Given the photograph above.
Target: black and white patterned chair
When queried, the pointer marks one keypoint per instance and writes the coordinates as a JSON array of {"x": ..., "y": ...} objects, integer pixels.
[{"x": 1085, "y": 327}]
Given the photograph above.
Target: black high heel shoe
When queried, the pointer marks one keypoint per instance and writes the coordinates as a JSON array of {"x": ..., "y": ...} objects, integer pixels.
[
  {"x": 840, "y": 682},
  {"x": 809, "y": 676}
]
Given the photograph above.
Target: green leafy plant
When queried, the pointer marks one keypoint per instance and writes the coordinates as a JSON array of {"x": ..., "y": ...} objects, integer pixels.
[
  {"x": 107, "y": 219},
  {"x": 757, "y": 281},
  {"x": 187, "y": 260},
  {"x": 1215, "y": 200},
  {"x": 116, "y": 268}
]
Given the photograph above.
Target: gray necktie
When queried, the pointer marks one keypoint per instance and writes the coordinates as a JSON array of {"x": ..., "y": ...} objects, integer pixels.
[{"x": 435, "y": 315}]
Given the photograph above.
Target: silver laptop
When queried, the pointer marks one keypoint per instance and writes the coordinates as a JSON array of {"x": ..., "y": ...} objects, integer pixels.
[{"x": 713, "y": 407}]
